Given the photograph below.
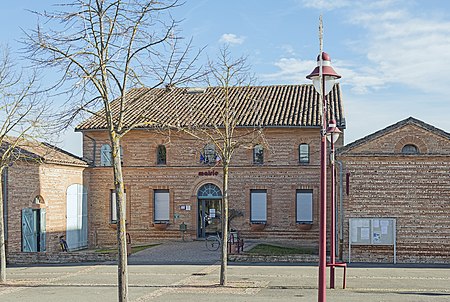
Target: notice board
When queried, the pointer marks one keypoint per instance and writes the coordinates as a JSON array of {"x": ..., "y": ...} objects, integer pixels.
[{"x": 372, "y": 231}]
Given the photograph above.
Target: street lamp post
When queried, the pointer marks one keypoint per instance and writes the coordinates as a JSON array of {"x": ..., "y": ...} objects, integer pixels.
[
  {"x": 323, "y": 77},
  {"x": 332, "y": 136}
]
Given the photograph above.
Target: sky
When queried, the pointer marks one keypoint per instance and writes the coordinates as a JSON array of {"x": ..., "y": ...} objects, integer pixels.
[{"x": 392, "y": 55}]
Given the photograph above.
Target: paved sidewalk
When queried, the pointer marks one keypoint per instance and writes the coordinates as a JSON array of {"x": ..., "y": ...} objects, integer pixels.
[
  {"x": 176, "y": 283},
  {"x": 187, "y": 271}
]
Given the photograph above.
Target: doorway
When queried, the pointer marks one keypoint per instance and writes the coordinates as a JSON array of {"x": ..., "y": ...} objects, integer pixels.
[
  {"x": 33, "y": 230},
  {"x": 209, "y": 210}
]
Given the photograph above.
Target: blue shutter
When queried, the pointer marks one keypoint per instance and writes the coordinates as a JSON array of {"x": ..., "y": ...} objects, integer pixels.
[
  {"x": 42, "y": 231},
  {"x": 28, "y": 239},
  {"x": 105, "y": 156}
]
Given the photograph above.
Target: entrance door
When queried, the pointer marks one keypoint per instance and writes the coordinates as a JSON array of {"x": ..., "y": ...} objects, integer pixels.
[
  {"x": 209, "y": 210},
  {"x": 33, "y": 230},
  {"x": 209, "y": 217}
]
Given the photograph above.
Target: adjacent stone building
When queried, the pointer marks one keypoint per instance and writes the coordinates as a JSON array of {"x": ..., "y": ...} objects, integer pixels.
[
  {"x": 44, "y": 198},
  {"x": 172, "y": 178},
  {"x": 401, "y": 174}
]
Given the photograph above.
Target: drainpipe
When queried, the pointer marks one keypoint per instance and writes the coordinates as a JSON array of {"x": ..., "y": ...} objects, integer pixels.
[
  {"x": 5, "y": 201},
  {"x": 95, "y": 148},
  {"x": 341, "y": 210}
]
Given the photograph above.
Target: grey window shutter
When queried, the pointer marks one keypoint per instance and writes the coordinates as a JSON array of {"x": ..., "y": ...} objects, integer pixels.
[
  {"x": 258, "y": 206},
  {"x": 304, "y": 207},
  {"x": 42, "y": 234},
  {"x": 162, "y": 208},
  {"x": 28, "y": 239}
]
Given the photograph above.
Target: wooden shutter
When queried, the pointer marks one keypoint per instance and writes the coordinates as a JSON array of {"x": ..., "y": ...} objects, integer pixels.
[
  {"x": 29, "y": 243},
  {"x": 105, "y": 156}
]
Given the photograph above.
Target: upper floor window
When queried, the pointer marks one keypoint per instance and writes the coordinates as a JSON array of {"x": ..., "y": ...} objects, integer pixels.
[
  {"x": 106, "y": 155},
  {"x": 209, "y": 155},
  {"x": 161, "y": 155},
  {"x": 410, "y": 149},
  {"x": 258, "y": 154},
  {"x": 303, "y": 153}
]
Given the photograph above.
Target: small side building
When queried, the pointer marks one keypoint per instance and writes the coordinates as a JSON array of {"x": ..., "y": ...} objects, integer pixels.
[
  {"x": 401, "y": 174},
  {"x": 44, "y": 198}
]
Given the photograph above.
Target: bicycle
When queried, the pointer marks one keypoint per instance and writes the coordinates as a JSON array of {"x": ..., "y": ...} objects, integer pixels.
[{"x": 213, "y": 242}]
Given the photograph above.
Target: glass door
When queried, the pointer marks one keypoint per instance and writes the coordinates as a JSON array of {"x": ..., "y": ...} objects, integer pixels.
[{"x": 209, "y": 217}]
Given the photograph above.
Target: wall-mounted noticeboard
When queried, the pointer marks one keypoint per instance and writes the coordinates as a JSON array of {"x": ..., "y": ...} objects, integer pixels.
[{"x": 372, "y": 231}]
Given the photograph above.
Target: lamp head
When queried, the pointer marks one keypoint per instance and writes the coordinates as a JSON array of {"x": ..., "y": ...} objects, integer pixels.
[
  {"x": 333, "y": 131},
  {"x": 328, "y": 73}
]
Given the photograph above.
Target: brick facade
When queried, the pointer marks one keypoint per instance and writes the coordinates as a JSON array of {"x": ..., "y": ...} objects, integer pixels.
[
  {"x": 412, "y": 188},
  {"x": 281, "y": 175},
  {"x": 27, "y": 180}
]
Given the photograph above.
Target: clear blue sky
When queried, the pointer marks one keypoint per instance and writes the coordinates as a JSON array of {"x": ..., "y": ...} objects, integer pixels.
[{"x": 393, "y": 55}]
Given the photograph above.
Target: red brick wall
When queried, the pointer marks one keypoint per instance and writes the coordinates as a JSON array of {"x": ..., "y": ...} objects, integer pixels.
[
  {"x": 415, "y": 190},
  {"x": 25, "y": 182},
  {"x": 281, "y": 175}
]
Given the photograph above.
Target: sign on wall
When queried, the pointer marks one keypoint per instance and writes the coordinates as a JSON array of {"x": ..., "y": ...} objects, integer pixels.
[{"x": 372, "y": 231}]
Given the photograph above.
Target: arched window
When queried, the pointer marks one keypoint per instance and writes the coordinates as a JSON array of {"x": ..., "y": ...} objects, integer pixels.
[
  {"x": 209, "y": 191},
  {"x": 258, "y": 154},
  {"x": 303, "y": 153},
  {"x": 161, "y": 155},
  {"x": 38, "y": 200},
  {"x": 105, "y": 155},
  {"x": 410, "y": 149},
  {"x": 209, "y": 155}
]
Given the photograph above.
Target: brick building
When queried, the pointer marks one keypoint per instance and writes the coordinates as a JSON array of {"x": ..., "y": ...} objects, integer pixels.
[
  {"x": 44, "y": 198},
  {"x": 399, "y": 174},
  {"x": 171, "y": 178}
]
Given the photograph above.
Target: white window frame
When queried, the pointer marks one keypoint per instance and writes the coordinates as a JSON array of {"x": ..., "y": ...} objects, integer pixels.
[
  {"x": 303, "y": 157},
  {"x": 113, "y": 205},
  {"x": 161, "y": 205},
  {"x": 304, "y": 206},
  {"x": 258, "y": 206}
]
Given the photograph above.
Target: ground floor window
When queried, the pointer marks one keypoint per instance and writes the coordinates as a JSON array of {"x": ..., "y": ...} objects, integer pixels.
[
  {"x": 162, "y": 206},
  {"x": 304, "y": 206},
  {"x": 114, "y": 205},
  {"x": 258, "y": 206}
]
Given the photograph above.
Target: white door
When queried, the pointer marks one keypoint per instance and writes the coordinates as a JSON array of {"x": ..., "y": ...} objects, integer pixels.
[{"x": 76, "y": 230}]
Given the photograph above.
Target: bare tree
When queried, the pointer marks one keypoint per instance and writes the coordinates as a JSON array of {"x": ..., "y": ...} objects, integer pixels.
[
  {"x": 102, "y": 49},
  {"x": 21, "y": 116},
  {"x": 225, "y": 129}
]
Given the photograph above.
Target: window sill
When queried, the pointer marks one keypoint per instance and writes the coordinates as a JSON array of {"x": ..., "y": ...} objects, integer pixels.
[
  {"x": 161, "y": 225},
  {"x": 257, "y": 225},
  {"x": 304, "y": 225}
]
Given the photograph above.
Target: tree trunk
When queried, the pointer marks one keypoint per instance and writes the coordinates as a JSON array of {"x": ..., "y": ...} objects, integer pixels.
[
  {"x": 223, "y": 265},
  {"x": 121, "y": 223},
  {"x": 2, "y": 234}
]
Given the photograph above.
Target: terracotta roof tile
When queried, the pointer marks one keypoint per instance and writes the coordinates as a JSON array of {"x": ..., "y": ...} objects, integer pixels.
[
  {"x": 277, "y": 106},
  {"x": 42, "y": 152}
]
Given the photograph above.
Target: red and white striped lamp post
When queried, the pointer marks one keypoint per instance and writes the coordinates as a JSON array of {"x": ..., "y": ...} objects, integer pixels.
[{"x": 323, "y": 77}]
